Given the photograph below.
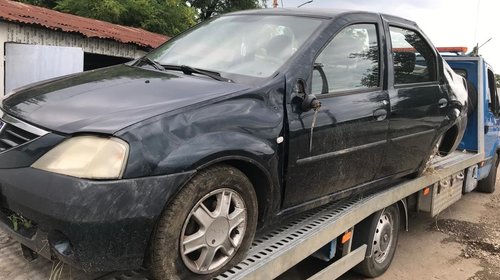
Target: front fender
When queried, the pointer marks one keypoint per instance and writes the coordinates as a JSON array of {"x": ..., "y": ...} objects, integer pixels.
[
  {"x": 169, "y": 144},
  {"x": 208, "y": 147}
]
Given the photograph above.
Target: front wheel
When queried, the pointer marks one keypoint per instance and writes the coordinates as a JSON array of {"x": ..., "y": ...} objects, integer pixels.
[
  {"x": 380, "y": 233},
  {"x": 207, "y": 228}
]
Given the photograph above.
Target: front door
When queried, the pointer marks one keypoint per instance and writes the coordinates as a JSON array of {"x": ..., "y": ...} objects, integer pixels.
[{"x": 350, "y": 130}]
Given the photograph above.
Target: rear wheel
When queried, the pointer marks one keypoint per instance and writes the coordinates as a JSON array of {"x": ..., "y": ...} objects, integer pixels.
[
  {"x": 487, "y": 185},
  {"x": 207, "y": 228},
  {"x": 380, "y": 232}
]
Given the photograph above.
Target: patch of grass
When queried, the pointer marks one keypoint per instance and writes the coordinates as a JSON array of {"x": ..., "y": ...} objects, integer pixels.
[{"x": 18, "y": 220}]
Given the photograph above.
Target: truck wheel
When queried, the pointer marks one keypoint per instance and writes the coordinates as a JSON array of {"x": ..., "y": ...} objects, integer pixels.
[
  {"x": 487, "y": 185},
  {"x": 207, "y": 228},
  {"x": 380, "y": 232}
]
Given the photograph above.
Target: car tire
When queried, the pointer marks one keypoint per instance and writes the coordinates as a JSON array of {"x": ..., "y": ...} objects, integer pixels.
[
  {"x": 380, "y": 233},
  {"x": 214, "y": 214},
  {"x": 487, "y": 185}
]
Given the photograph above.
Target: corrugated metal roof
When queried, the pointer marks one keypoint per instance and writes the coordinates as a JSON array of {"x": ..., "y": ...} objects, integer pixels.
[{"x": 24, "y": 13}]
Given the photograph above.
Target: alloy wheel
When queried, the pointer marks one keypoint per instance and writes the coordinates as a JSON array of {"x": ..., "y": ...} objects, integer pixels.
[{"x": 213, "y": 231}]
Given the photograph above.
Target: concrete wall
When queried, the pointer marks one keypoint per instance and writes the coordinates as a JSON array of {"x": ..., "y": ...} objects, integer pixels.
[{"x": 24, "y": 34}]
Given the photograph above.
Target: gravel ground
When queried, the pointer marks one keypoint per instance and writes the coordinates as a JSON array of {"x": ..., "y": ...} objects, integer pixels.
[{"x": 463, "y": 242}]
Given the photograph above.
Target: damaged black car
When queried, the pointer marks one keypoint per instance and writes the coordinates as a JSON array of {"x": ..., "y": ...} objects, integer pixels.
[{"x": 175, "y": 160}]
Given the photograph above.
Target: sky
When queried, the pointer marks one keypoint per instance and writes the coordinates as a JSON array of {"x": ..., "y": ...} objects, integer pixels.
[{"x": 457, "y": 23}]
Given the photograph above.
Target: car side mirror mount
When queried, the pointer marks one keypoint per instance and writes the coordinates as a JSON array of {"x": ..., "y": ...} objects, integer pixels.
[
  {"x": 302, "y": 101},
  {"x": 310, "y": 102}
]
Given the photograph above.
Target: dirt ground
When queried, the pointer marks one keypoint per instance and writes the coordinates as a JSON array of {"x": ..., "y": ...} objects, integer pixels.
[{"x": 462, "y": 243}]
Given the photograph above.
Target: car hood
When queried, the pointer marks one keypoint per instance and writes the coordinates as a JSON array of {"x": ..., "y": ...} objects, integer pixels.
[{"x": 110, "y": 99}]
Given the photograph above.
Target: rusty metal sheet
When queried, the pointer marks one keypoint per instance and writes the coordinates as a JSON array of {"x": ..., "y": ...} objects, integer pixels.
[{"x": 23, "y": 13}]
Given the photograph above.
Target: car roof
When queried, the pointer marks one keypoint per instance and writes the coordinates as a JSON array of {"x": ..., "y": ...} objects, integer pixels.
[
  {"x": 318, "y": 13},
  {"x": 325, "y": 13}
]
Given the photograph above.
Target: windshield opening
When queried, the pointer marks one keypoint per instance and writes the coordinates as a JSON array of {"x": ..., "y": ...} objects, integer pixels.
[{"x": 242, "y": 45}]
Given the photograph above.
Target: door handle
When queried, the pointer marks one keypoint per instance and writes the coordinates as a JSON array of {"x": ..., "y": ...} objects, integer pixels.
[
  {"x": 380, "y": 114},
  {"x": 443, "y": 102}
]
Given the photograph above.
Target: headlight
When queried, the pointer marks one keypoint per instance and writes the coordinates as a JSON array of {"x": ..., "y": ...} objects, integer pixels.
[{"x": 89, "y": 157}]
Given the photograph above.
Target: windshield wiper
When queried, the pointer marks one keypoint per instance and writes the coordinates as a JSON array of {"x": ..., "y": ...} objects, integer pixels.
[
  {"x": 151, "y": 62},
  {"x": 188, "y": 70}
]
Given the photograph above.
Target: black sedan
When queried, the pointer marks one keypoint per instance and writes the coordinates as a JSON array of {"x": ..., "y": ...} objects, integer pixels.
[{"x": 176, "y": 159}]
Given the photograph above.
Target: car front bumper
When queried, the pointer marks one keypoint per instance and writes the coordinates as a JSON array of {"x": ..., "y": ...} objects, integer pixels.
[{"x": 92, "y": 225}]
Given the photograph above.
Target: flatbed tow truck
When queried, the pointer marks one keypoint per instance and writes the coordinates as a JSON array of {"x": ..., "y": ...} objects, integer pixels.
[{"x": 279, "y": 249}]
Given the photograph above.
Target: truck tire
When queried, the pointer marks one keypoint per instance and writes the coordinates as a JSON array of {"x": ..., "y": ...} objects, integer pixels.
[
  {"x": 207, "y": 228},
  {"x": 487, "y": 185},
  {"x": 380, "y": 233}
]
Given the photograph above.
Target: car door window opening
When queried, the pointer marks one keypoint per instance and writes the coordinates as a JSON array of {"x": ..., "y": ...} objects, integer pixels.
[
  {"x": 349, "y": 62},
  {"x": 413, "y": 59}
]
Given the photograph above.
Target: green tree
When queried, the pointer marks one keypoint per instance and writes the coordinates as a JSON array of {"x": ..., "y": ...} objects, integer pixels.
[
  {"x": 42, "y": 3},
  {"x": 169, "y": 17},
  {"x": 210, "y": 8}
]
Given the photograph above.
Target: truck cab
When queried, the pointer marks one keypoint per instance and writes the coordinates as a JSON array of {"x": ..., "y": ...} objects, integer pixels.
[{"x": 481, "y": 81}]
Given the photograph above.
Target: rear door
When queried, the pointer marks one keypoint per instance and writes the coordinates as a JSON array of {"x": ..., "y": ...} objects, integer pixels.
[
  {"x": 350, "y": 133},
  {"x": 415, "y": 93}
]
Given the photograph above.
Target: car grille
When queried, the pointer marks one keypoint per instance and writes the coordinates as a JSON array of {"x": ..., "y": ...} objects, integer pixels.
[
  {"x": 12, "y": 136},
  {"x": 14, "y": 132}
]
